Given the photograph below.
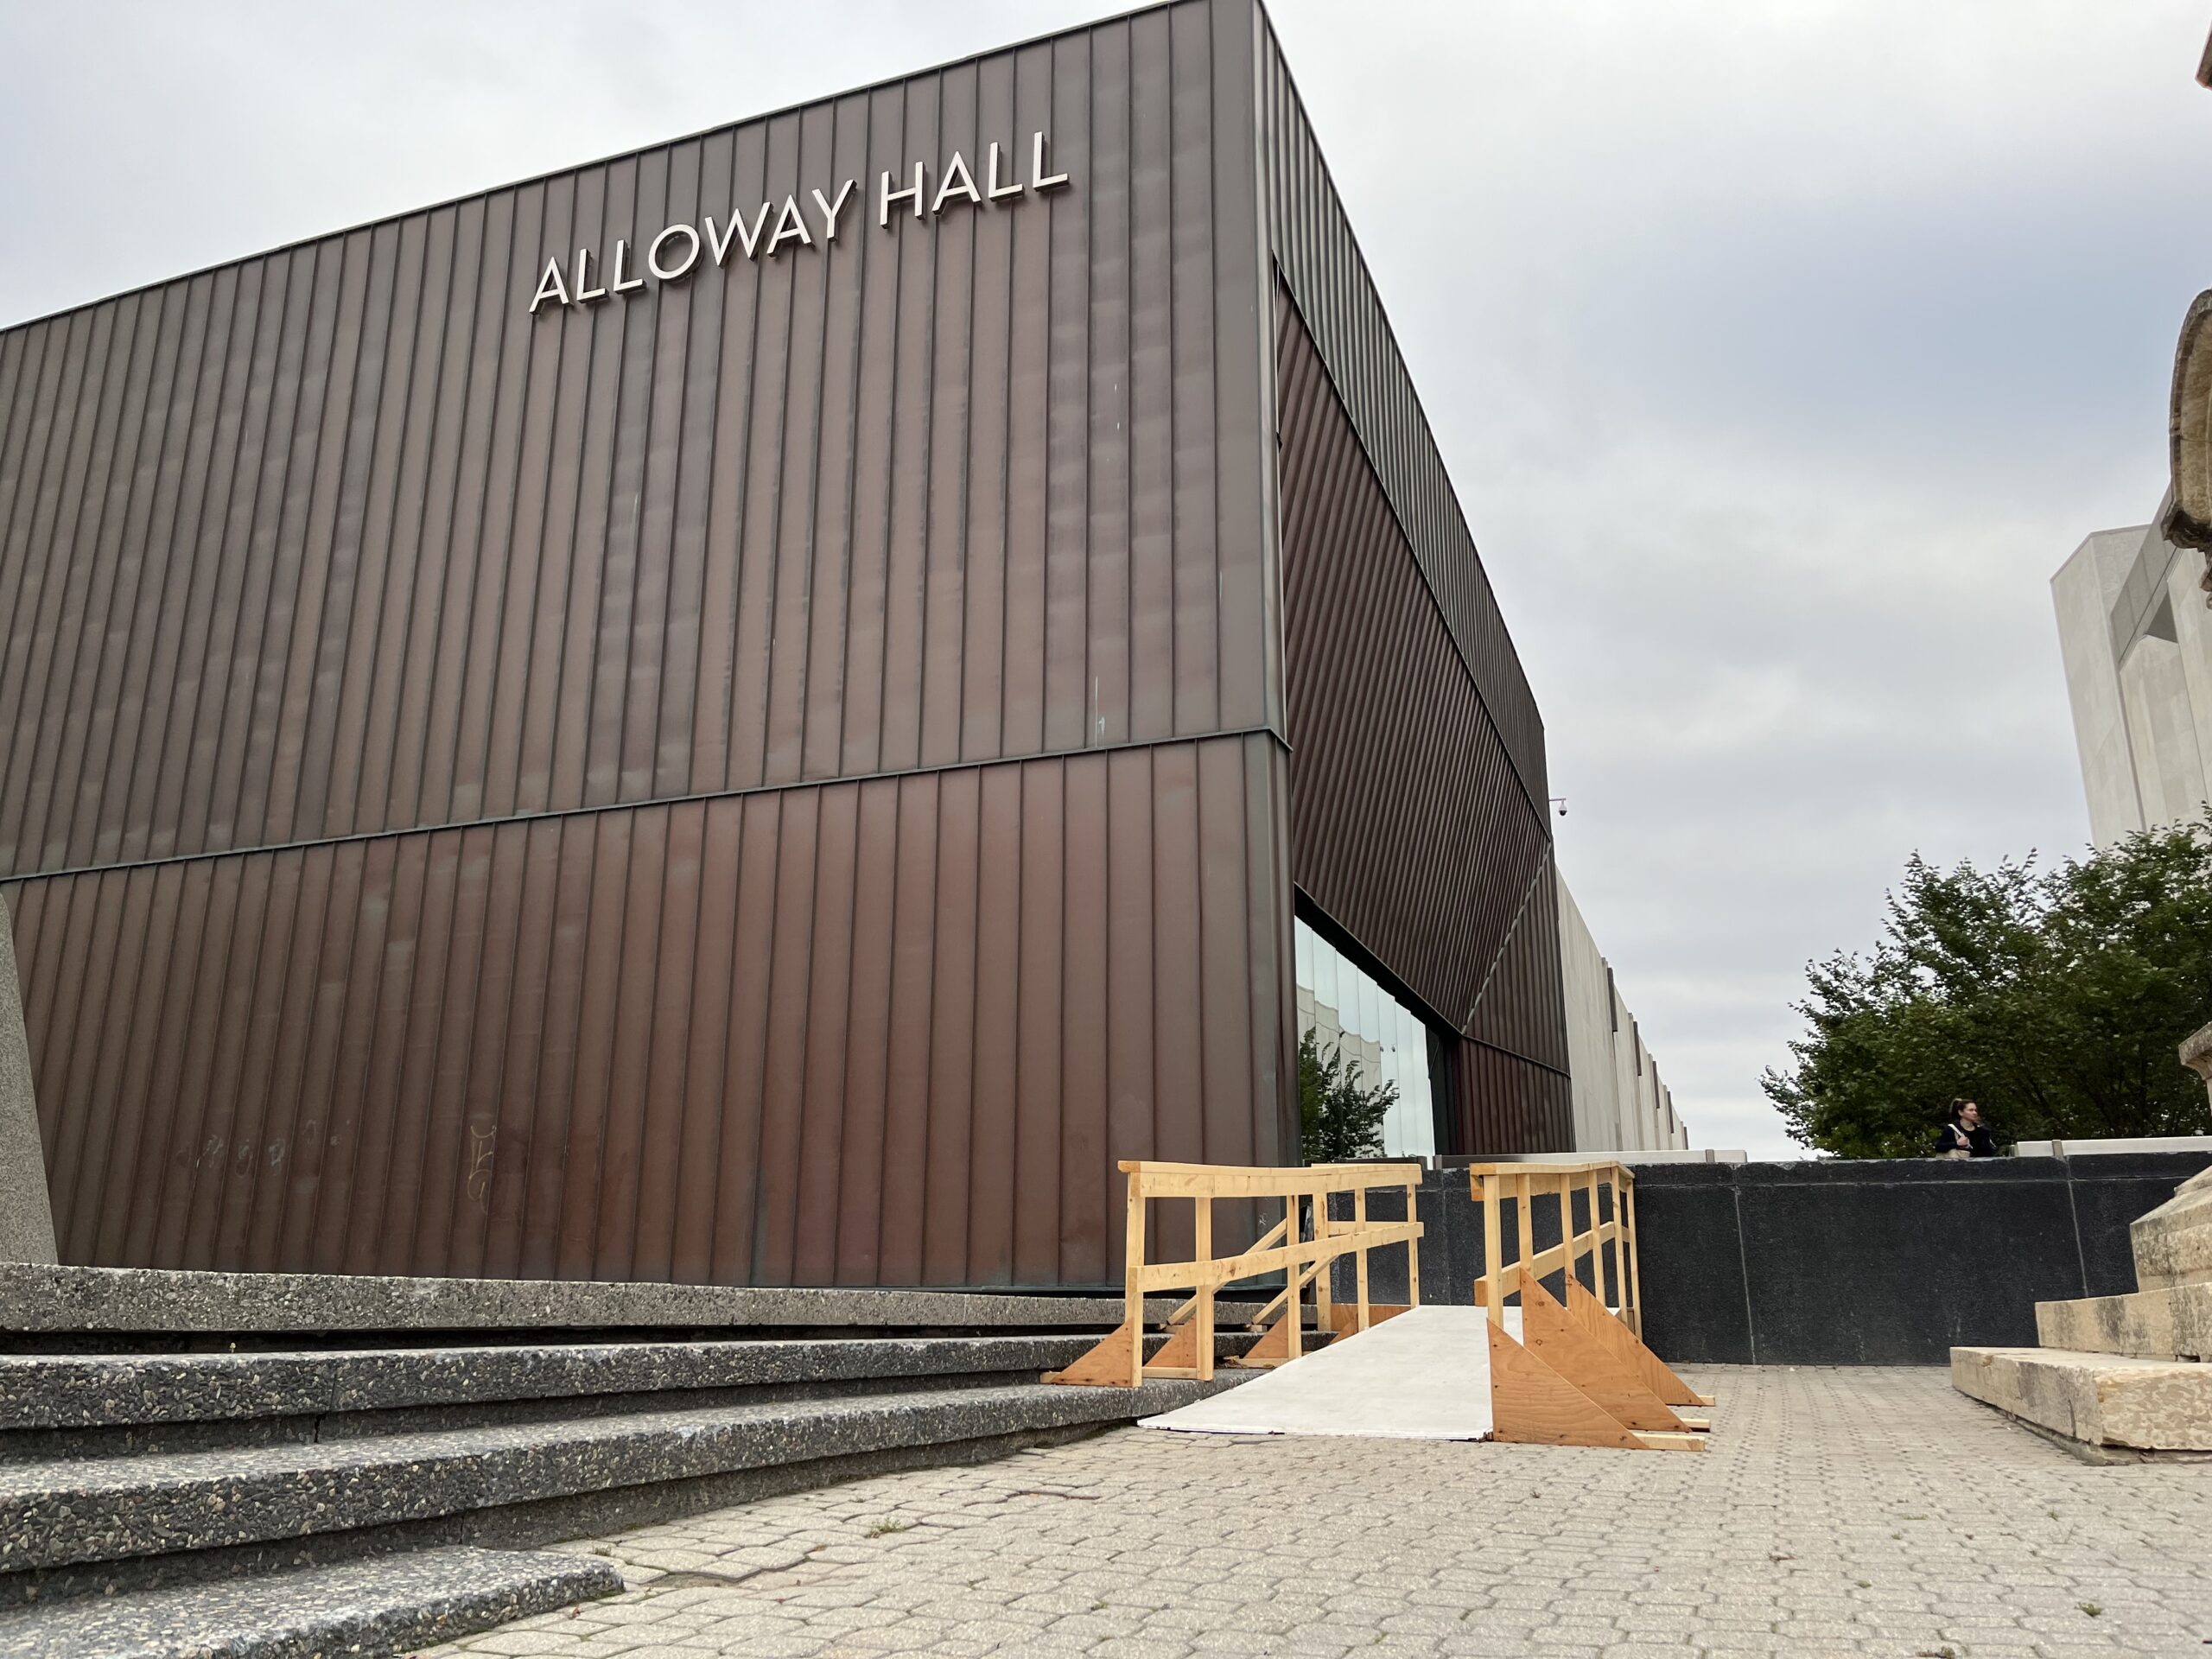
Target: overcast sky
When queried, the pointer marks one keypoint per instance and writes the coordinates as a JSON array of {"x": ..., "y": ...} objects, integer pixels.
[{"x": 1779, "y": 352}]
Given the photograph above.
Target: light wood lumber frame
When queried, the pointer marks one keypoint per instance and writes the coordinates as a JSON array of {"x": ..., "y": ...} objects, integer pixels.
[
  {"x": 1119, "y": 1359},
  {"x": 1604, "y": 1239}
]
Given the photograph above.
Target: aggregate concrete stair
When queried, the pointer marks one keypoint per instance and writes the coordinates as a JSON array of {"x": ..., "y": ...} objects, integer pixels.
[
  {"x": 2128, "y": 1372},
  {"x": 334, "y": 1491},
  {"x": 103, "y": 1404},
  {"x": 90, "y": 1523},
  {"x": 383, "y": 1605}
]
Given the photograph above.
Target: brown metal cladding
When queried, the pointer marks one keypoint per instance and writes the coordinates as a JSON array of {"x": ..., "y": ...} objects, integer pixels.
[
  {"x": 1317, "y": 257},
  {"x": 778, "y": 777},
  {"x": 864, "y": 1033},
  {"x": 340, "y": 540},
  {"x": 1409, "y": 828}
]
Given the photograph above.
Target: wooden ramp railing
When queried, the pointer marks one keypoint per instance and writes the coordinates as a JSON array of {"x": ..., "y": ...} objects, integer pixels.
[
  {"x": 1577, "y": 1374},
  {"x": 1581, "y": 1374},
  {"x": 1608, "y": 1238},
  {"x": 1302, "y": 1246}
]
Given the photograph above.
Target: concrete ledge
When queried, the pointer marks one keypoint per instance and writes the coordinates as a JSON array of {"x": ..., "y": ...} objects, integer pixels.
[
  {"x": 37, "y": 1298},
  {"x": 389, "y": 1606},
  {"x": 2150, "y": 1325},
  {"x": 2151, "y": 1144},
  {"x": 2097, "y": 1399}
]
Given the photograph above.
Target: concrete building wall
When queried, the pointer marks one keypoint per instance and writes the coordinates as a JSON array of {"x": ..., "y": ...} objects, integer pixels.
[
  {"x": 1599, "y": 1123},
  {"x": 2137, "y": 645},
  {"x": 1620, "y": 1102}
]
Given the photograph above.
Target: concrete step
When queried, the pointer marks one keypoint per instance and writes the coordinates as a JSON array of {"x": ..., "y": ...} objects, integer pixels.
[
  {"x": 40, "y": 1303},
  {"x": 2095, "y": 1399},
  {"x": 107, "y": 1405},
  {"x": 387, "y": 1604},
  {"x": 2173, "y": 1243},
  {"x": 2171, "y": 1324},
  {"x": 77, "y": 1526}
]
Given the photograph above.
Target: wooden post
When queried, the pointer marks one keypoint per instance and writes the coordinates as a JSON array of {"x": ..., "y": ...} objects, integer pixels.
[
  {"x": 1133, "y": 1283},
  {"x": 1324, "y": 1289},
  {"x": 1631, "y": 1291},
  {"x": 1493, "y": 1251},
  {"x": 1203, "y": 1226},
  {"x": 1597, "y": 1258},
  {"x": 1294, "y": 1308},
  {"x": 1359, "y": 1267},
  {"x": 1413, "y": 1253},
  {"x": 1525, "y": 1208}
]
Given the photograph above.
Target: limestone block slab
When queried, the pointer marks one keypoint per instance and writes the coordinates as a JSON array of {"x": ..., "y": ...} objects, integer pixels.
[
  {"x": 2098, "y": 1399},
  {"x": 2171, "y": 1324},
  {"x": 2173, "y": 1243}
]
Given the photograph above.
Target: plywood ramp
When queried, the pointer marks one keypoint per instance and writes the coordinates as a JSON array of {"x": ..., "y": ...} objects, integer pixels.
[{"x": 1423, "y": 1375}]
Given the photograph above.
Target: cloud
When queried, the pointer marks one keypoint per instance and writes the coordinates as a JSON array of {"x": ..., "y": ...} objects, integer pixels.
[{"x": 1779, "y": 353}]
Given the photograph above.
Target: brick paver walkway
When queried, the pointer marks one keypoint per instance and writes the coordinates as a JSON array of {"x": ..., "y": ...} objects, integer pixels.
[{"x": 1843, "y": 1511}]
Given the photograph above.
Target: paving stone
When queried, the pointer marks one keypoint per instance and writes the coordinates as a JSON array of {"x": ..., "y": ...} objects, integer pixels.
[{"x": 1814, "y": 1479}]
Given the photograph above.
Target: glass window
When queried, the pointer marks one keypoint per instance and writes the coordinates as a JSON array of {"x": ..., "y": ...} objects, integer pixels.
[{"x": 1386, "y": 1041}]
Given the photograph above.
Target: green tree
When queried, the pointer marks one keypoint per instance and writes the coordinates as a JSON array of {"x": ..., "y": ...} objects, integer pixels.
[
  {"x": 2054, "y": 998},
  {"x": 1340, "y": 1120}
]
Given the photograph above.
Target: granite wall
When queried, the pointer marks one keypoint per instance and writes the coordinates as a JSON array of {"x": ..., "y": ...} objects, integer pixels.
[{"x": 1888, "y": 1262}]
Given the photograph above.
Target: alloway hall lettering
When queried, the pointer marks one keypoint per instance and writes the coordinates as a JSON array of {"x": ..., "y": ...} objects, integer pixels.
[{"x": 814, "y": 220}]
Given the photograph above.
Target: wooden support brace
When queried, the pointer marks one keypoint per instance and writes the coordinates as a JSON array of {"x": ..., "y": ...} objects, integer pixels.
[
  {"x": 1266, "y": 1241},
  {"x": 1180, "y": 1352},
  {"x": 1273, "y": 1348},
  {"x": 1548, "y": 1332},
  {"x": 1110, "y": 1364},
  {"x": 1532, "y": 1404},
  {"x": 1347, "y": 1321},
  {"x": 1595, "y": 1318},
  {"x": 1107, "y": 1365}
]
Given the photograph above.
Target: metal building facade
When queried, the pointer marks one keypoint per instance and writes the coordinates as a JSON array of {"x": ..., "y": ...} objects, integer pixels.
[{"x": 779, "y": 776}]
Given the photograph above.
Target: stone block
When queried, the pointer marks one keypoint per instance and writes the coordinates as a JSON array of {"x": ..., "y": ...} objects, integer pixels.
[
  {"x": 2197, "y": 1053},
  {"x": 2175, "y": 1323},
  {"x": 2173, "y": 1243},
  {"x": 2097, "y": 1399}
]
